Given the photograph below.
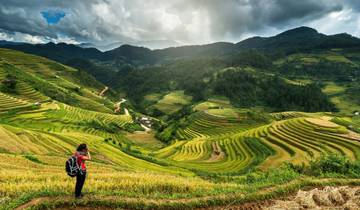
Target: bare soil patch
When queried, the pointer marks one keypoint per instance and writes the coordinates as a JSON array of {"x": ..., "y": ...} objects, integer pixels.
[
  {"x": 33, "y": 202},
  {"x": 217, "y": 153}
]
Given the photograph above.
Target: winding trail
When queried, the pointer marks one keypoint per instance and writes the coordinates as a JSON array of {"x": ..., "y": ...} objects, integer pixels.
[
  {"x": 126, "y": 112},
  {"x": 103, "y": 91},
  {"x": 118, "y": 106},
  {"x": 147, "y": 129},
  {"x": 33, "y": 202}
]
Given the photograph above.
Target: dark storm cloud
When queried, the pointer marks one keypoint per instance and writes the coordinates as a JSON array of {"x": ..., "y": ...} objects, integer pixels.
[
  {"x": 239, "y": 16},
  {"x": 185, "y": 21}
]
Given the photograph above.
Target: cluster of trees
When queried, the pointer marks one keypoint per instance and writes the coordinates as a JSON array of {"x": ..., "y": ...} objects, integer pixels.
[
  {"x": 246, "y": 89},
  {"x": 167, "y": 132},
  {"x": 138, "y": 82},
  {"x": 190, "y": 75},
  {"x": 323, "y": 69},
  {"x": 101, "y": 73},
  {"x": 249, "y": 58},
  {"x": 9, "y": 84},
  {"x": 282, "y": 96},
  {"x": 353, "y": 92}
]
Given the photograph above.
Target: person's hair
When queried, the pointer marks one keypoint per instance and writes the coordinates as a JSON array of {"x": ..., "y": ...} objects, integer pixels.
[{"x": 81, "y": 147}]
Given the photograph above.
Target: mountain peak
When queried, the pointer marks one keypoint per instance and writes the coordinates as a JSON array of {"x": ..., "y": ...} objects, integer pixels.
[{"x": 303, "y": 30}]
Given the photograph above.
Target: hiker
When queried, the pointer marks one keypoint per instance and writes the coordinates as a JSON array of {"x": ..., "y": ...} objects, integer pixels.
[{"x": 82, "y": 154}]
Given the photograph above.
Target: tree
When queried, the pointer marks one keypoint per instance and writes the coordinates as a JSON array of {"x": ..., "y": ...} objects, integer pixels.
[{"x": 9, "y": 83}]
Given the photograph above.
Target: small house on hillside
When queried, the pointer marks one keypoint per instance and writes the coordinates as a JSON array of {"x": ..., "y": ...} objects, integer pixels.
[{"x": 145, "y": 121}]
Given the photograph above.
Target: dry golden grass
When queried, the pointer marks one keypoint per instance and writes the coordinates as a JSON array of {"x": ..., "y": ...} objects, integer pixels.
[{"x": 322, "y": 122}]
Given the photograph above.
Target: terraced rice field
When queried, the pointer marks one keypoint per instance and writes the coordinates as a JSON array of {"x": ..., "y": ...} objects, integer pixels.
[
  {"x": 56, "y": 129},
  {"x": 28, "y": 93},
  {"x": 173, "y": 102},
  {"x": 8, "y": 102},
  {"x": 13, "y": 100},
  {"x": 24, "y": 91},
  {"x": 287, "y": 115},
  {"x": 70, "y": 112},
  {"x": 352, "y": 123},
  {"x": 296, "y": 140},
  {"x": 39, "y": 79},
  {"x": 213, "y": 103},
  {"x": 57, "y": 117},
  {"x": 205, "y": 125}
]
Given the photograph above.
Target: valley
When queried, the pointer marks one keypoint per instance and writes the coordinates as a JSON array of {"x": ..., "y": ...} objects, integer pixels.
[{"x": 180, "y": 128}]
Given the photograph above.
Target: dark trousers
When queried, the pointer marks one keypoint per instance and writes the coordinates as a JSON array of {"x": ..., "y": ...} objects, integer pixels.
[{"x": 80, "y": 179}]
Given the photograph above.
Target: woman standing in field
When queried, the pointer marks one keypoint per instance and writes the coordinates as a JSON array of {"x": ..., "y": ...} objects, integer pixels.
[{"x": 82, "y": 154}]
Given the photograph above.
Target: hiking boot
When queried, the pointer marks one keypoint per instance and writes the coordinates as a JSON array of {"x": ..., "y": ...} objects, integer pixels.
[{"x": 79, "y": 196}]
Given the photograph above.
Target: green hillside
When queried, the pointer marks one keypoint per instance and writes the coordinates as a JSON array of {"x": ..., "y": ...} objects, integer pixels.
[{"x": 39, "y": 79}]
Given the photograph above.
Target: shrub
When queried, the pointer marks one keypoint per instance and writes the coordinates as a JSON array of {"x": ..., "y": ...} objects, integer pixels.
[
  {"x": 132, "y": 127},
  {"x": 275, "y": 176},
  {"x": 330, "y": 165},
  {"x": 9, "y": 84},
  {"x": 109, "y": 127},
  {"x": 167, "y": 134}
]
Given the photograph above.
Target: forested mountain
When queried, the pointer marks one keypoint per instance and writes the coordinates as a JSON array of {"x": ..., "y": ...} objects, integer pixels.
[
  {"x": 60, "y": 52},
  {"x": 298, "y": 54},
  {"x": 300, "y": 39}
]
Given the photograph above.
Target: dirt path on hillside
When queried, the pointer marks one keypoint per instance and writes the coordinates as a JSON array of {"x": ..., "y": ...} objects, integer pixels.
[
  {"x": 217, "y": 154},
  {"x": 126, "y": 112},
  {"x": 147, "y": 129},
  {"x": 33, "y": 202},
  {"x": 103, "y": 91},
  {"x": 118, "y": 106}
]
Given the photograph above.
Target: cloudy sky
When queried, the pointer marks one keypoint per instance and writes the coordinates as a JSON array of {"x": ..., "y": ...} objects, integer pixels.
[{"x": 160, "y": 23}]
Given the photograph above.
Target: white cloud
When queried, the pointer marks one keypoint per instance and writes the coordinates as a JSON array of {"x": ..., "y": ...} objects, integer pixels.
[
  {"x": 64, "y": 39},
  {"x": 33, "y": 39},
  {"x": 5, "y": 36},
  {"x": 22, "y": 37},
  {"x": 342, "y": 21},
  {"x": 182, "y": 21}
]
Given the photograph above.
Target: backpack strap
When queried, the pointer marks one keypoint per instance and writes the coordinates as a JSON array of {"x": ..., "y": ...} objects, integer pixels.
[{"x": 77, "y": 165}]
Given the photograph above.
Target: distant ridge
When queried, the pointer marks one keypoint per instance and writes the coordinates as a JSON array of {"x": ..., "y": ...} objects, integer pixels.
[{"x": 297, "y": 39}]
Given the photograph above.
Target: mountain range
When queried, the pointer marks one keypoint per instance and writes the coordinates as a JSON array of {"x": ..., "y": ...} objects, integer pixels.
[{"x": 301, "y": 39}]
